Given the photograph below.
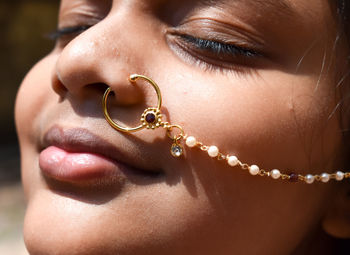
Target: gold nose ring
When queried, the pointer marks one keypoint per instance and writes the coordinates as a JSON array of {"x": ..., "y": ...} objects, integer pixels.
[{"x": 151, "y": 117}]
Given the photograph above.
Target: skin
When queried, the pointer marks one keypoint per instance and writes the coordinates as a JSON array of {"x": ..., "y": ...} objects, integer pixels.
[{"x": 271, "y": 110}]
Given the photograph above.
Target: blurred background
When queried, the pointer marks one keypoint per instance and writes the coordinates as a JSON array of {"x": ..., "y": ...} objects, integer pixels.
[{"x": 24, "y": 26}]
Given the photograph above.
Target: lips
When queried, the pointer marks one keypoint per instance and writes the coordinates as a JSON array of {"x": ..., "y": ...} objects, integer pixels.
[
  {"x": 76, "y": 166},
  {"x": 77, "y": 156}
]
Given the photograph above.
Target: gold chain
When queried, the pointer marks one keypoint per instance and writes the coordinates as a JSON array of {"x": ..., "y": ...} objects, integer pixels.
[{"x": 233, "y": 161}]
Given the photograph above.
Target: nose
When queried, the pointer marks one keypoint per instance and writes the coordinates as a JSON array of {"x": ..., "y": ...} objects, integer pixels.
[{"x": 95, "y": 60}]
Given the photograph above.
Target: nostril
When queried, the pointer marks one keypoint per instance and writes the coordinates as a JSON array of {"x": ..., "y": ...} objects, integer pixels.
[
  {"x": 126, "y": 95},
  {"x": 120, "y": 95},
  {"x": 100, "y": 87},
  {"x": 58, "y": 87},
  {"x": 95, "y": 89}
]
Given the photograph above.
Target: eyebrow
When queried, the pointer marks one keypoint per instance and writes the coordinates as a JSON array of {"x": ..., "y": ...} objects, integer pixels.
[{"x": 278, "y": 7}]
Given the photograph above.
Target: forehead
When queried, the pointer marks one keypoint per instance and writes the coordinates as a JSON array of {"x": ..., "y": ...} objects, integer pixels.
[{"x": 281, "y": 7}]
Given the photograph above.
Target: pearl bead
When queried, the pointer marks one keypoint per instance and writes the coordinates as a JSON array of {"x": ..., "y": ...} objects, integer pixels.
[
  {"x": 339, "y": 175},
  {"x": 275, "y": 173},
  {"x": 309, "y": 178},
  {"x": 213, "y": 151},
  {"x": 324, "y": 177},
  {"x": 254, "y": 169},
  {"x": 232, "y": 160},
  {"x": 191, "y": 141}
]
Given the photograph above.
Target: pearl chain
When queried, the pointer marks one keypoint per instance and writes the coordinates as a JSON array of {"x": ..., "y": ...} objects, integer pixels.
[{"x": 233, "y": 161}]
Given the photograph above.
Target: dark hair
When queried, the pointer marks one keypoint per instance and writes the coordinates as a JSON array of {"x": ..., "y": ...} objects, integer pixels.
[{"x": 343, "y": 9}]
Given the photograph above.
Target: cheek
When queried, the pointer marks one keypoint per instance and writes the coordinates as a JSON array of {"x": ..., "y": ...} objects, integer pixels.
[
  {"x": 31, "y": 98},
  {"x": 273, "y": 119},
  {"x": 34, "y": 91}
]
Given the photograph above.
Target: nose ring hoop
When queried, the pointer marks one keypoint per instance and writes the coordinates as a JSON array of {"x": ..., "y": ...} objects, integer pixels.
[{"x": 151, "y": 117}]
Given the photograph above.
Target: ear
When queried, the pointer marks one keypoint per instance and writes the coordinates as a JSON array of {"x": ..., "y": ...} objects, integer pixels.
[{"x": 336, "y": 222}]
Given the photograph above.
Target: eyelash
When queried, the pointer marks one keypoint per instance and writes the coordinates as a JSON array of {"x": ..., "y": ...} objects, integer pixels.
[
  {"x": 61, "y": 32},
  {"x": 216, "y": 56},
  {"x": 219, "y": 47}
]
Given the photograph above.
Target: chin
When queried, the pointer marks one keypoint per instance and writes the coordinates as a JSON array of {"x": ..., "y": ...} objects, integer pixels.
[{"x": 59, "y": 226}]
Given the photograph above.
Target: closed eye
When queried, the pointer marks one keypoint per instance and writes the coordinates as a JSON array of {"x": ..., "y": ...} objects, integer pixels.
[
  {"x": 220, "y": 48},
  {"x": 216, "y": 55},
  {"x": 67, "y": 31}
]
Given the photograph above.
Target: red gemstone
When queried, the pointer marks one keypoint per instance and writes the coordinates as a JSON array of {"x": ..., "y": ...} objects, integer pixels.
[
  {"x": 293, "y": 177},
  {"x": 150, "y": 117}
]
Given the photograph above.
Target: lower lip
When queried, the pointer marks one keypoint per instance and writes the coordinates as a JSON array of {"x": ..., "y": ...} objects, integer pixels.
[{"x": 76, "y": 167}]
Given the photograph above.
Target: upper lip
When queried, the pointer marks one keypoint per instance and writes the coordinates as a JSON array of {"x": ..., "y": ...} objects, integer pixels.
[{"x": 82, "y": 140}]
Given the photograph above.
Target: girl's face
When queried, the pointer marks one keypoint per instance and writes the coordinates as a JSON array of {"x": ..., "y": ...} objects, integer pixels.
[{"x": 255, "y": 78}]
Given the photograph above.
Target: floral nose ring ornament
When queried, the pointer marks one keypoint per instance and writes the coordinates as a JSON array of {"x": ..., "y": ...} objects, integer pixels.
[{"x": 151, "y": 118}]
